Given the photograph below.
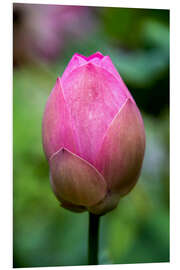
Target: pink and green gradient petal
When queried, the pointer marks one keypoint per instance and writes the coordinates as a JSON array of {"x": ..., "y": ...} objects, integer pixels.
[
  {"x": 122, "y": 151},
  {"x": 75, "y": 180}
]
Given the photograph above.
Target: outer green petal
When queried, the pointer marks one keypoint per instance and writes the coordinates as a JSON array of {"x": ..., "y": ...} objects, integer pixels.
[{"x": 75, "y": 180}]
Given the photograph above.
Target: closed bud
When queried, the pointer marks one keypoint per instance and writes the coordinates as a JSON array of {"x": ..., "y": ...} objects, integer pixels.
[{"x": 93, "y": 136}]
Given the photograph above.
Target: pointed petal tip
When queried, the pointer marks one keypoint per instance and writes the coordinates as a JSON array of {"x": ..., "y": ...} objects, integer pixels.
[
  {"x": 88, "y": 58},
  {"x": 57, "y": 85},
  {"x": 58, "y": 80},
  {"x": 97, "y": 54}
]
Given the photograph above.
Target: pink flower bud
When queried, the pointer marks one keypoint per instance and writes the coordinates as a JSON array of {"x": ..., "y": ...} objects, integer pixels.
[{"x": 93, "y": 136}]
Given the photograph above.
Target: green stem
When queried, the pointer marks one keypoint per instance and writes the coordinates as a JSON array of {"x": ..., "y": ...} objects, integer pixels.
[{"x": 93, "y": 239}]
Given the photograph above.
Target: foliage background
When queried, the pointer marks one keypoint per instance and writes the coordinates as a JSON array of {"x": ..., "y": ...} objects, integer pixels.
[{"x": 137, "y": 40}]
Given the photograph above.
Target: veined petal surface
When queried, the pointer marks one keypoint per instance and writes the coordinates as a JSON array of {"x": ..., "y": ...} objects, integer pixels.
[
  {"x": 57, "y": 129},
  {"x": 94, "y": 96}
]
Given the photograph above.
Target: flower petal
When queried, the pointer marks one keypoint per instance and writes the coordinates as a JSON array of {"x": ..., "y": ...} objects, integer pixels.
[
  {"x": 94, "y": 97},
  {"x": 75, "y": 180},
  {"x": 72, "y": 207},
  {"x": 78, "y": 60},
  {"x": 107, "y": 64},
  {"x": 121, "y": 155},
  {"x": 75, "y": 62},
  {"x": 106, "y": 205},
  {"x": 57, "y": 130},
  {"x": 96, "y": 55}
]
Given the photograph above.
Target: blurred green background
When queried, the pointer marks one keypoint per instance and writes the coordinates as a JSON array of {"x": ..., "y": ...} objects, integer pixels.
[{"x": 44, "y": 39}]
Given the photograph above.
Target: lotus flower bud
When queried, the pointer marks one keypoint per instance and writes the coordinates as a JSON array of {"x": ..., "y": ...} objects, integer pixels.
[{"x": 93, "y": 136}]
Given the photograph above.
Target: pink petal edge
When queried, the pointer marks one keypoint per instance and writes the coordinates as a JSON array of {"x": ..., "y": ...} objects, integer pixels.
[
  {"x": 57, "y": 130},
  {"x": 88, "y": 58},
  {"x": 78, "y": 60}
]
